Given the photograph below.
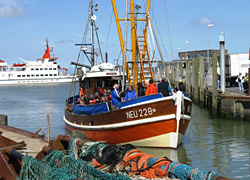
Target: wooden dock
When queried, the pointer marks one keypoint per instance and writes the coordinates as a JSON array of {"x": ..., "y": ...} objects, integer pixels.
[{"x": 33, "y": 144}]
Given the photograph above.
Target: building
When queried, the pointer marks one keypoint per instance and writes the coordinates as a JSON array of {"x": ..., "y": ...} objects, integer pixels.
[{"x": 196, "y": 54}]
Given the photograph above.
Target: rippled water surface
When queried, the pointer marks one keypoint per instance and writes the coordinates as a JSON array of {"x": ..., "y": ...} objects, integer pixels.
[{"x": 211, "y": 144}]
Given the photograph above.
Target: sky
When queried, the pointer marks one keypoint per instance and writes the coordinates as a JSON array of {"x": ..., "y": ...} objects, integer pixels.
[{"x": 25, "y": 24}]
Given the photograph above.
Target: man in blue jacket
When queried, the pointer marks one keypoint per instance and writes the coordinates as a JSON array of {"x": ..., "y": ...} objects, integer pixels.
[
  {"x": 131, "y": 94},
  {"x": 115, "y": 96},
  {"x": 163, "y": 87}
]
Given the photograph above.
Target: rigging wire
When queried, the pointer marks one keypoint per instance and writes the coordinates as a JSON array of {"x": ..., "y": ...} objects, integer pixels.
[
  {"x": 112, "y": 14},
  {"x": 98, "y": 41},
  {"x": 73, "y": 85},
  {"x": 170, "y": 39},
  {"x": 156, "y": 40},
  {"x": 161, "y": 38}
]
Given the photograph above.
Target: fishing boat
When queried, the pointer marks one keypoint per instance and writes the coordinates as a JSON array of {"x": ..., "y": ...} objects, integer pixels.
[
  {"x": 147, "y": 121},
  {"x": 43, "y": 70}
]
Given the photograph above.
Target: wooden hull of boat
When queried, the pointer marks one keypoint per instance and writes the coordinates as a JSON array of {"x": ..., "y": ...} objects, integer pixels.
[{"x": 148, "y": 124}]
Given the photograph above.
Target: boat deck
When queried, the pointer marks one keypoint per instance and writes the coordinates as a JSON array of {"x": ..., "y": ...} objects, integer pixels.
[{"x": 33, "y": 144}]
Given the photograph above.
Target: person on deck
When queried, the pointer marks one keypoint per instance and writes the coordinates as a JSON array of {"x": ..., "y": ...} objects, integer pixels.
[
  {"x": 131, "y": 93},
  {"x": 163, "y": 87},
  {"x": 115, "y": 96},
  {"x": 81, "y": 92},
  {"x": 152, "y": 89},
  {"x": 140, "y": 89},
  {"x": 181, "y": 86}
]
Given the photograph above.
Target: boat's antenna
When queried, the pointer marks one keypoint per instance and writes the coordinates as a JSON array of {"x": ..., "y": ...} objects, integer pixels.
[
  {"x": 125, "y": 48},
  {"x": 92, "y": 33}
]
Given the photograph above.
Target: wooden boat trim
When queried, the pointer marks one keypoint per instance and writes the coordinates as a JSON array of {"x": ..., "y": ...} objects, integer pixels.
[{"x": 123, "y": 124}]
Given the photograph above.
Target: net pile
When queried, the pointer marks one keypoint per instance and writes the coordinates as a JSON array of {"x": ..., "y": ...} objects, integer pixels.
[{"x": 100, "y": 161}]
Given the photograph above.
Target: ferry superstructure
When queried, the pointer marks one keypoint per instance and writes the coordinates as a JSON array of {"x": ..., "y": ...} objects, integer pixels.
[{"x": 43, "y": 70}]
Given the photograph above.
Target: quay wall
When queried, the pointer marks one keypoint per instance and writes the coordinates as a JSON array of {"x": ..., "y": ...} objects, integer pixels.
[{"x": 226, "y": 105}]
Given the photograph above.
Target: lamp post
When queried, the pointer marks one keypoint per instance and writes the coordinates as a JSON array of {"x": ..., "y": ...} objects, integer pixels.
[{"x": 208, "y": 26}]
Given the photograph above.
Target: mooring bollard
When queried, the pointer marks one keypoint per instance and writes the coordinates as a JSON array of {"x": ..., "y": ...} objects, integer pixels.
[
  {"x": 48, "y": 128},
  {"x": 215, "y": 82},
  {"x": 201, "y": 79},
  {"x": 3, "y": 119}
]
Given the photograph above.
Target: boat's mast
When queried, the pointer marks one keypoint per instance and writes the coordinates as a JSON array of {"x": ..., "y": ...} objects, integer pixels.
[
  {"x": 92, "y": 34},
  {"x": 125, "y": 47},
  {"x": 133, "y": 41}
]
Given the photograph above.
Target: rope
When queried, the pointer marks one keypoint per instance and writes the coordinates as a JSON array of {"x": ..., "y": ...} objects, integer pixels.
[
  {"x": 170, "y": 41},
  {"x": 7, "y": 165},
  {"x": 107, "y": 162},
  {"x": 109, "y": 31},
  {"x": 57, "y": 165}
]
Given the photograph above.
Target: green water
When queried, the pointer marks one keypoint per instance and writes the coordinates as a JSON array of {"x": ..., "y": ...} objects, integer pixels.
[{"x": 211, "y": 144}]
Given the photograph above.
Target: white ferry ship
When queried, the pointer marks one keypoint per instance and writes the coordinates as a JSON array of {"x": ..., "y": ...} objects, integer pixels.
[{"x": 43, "y": 70}]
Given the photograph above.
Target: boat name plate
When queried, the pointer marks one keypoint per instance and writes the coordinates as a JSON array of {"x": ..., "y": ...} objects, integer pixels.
[{"x": 140, "y": 113}]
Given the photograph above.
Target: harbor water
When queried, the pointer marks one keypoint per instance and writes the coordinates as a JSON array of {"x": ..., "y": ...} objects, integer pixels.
[{"x": 210, "y": 144}]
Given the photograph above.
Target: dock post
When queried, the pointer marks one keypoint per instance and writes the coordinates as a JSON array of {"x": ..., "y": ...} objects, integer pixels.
[
  {"x": 48, "y": 128},
  {"x": 215, "y": 83},
  {"x": 201, "y": 79},
  {"x": 177, "y": 72},
  {"x": 3, "y": 119},
  {"x": 181, "y": 70},
  {"x": 167, "y": 69},
  {"x": 195, "y": 68},
  {"x": 172, "y": 73},
  {"x": 188, "y": 77},
  {"x": 222, "y": 62}
]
